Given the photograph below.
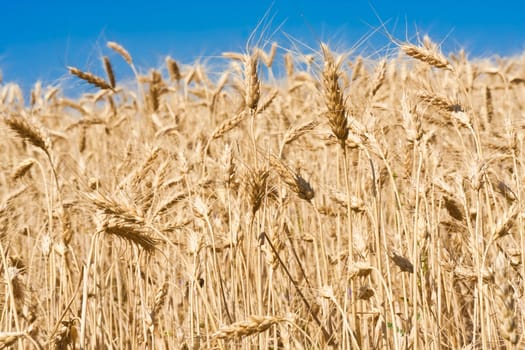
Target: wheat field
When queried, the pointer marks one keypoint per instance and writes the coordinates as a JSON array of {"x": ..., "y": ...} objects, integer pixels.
[{"x": 347, "y": 203}]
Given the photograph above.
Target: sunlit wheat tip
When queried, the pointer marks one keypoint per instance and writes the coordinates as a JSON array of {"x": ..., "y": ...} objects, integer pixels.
[{"x": 121, "y": 51}]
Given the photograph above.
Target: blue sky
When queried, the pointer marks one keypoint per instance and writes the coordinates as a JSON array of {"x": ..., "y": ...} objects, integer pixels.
[{"x": 38, "y": 39}]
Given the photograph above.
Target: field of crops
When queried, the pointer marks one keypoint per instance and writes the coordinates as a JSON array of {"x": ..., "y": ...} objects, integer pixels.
[{"x": 345, "y": 203}]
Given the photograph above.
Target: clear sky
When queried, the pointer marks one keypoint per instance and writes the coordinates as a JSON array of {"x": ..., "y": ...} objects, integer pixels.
[{"x": 38, "y": 39}]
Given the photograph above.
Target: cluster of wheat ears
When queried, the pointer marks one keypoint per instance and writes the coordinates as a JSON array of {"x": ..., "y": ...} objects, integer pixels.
[{"x": 351, "y": 203}]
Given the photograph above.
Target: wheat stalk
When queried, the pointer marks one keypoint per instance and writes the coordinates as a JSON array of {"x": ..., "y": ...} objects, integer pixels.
[{"x": 506, "y": 301}]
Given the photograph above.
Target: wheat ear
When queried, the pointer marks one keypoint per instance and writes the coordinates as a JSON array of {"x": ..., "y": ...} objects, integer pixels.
[
  {"x": 256, "y": 187},
  {"x": 22, "y": 168},
  {"x": 34, "y": 134},
  {"x": 173, "y": 69},
  {"x": 296, "y": 132},
  {"x": 29, "y": 131},
  {"x": 109, "y": 71},
  {"x": 121, "y": 51},
  {"x": 333, "y": 95},
  {"x": 252, "y": 92},
  {"x": 90, "y": 78},
  {"x": 253, "y": 325},
  {"x": 295, "y": 181},
  {"x": 121, "y": 221},
  {"x": 428, "y": 54}
]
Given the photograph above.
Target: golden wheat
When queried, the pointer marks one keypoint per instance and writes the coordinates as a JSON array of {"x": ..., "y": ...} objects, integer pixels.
[
  {"x": 109, "y": 71},
  {"x": 90, "y": 78},
  {"x": 121, "y": 51},
  {"x": 182, "y": 204},
  {"x": 427, "y": 53}
]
